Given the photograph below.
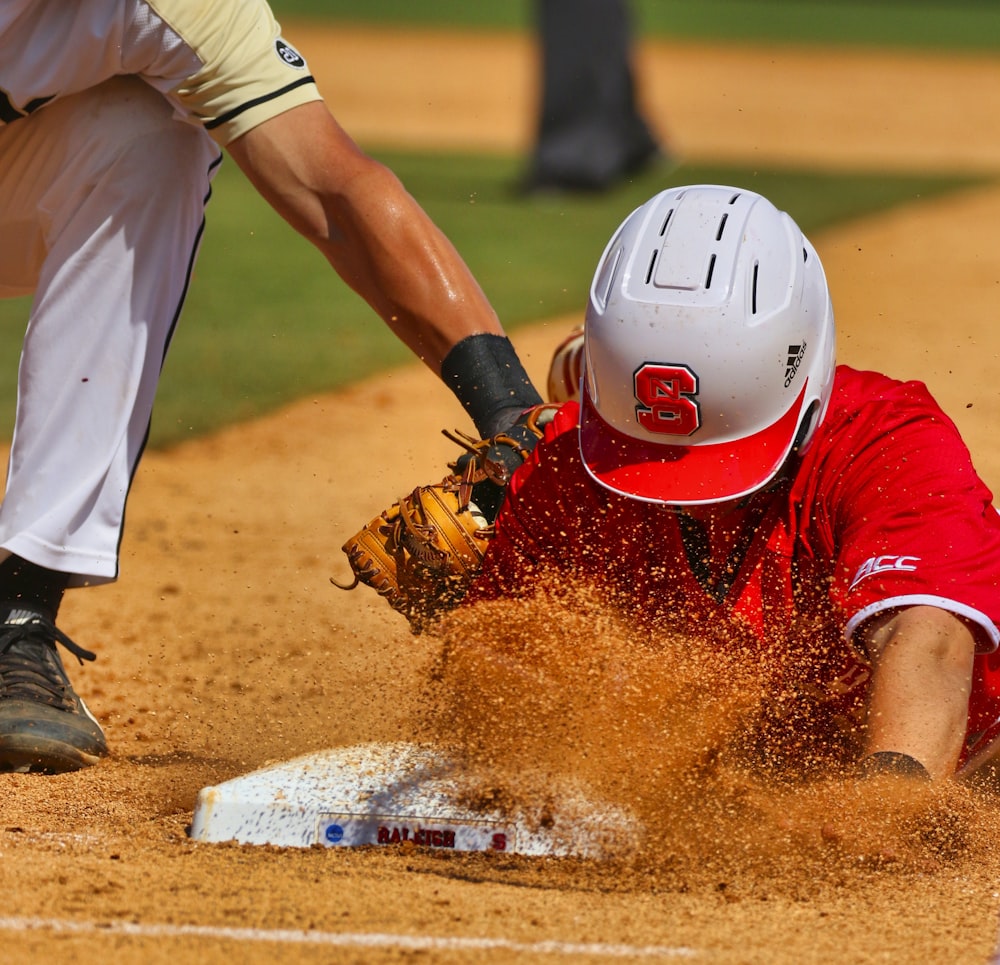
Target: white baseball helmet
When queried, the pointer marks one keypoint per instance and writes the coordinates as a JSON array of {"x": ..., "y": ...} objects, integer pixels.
[{"x": 709, "y": 348}]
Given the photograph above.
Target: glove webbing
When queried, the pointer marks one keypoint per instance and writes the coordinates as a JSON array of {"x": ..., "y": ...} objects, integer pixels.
[{"x": 487, "y": 462}]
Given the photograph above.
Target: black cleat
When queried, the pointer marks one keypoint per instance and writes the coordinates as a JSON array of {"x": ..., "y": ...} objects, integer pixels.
[{"x": 44, "y": 726}]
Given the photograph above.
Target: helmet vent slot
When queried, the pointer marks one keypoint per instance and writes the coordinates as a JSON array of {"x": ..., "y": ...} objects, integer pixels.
[
  {"x": 666, "y": 222},
  {"x": 652, "y": 266},
  {"x": 711, "y": 270},
  {"x": 753, "y": 290},
  {"x": 722, "y": 227},
  {"x": 606, "y": 279}
]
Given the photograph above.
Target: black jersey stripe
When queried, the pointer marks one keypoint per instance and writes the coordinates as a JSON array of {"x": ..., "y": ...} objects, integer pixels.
[
  {"x": 192, "y": 258},
  {"x": 236, "y": 111}
]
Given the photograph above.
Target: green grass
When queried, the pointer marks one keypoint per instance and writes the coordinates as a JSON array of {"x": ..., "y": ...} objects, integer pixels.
[
  {"x": 267, "y": 320},
  {"x": 957, "y": 24}
]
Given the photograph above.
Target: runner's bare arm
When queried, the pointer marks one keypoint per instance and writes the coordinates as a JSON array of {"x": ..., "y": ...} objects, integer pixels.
[
  {"x": 373, "y": 233},
  {"x": 921, "y": 680}
]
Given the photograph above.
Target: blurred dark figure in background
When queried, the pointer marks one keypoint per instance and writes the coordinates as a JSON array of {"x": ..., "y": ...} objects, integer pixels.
[{"x": 590, "y": 131}]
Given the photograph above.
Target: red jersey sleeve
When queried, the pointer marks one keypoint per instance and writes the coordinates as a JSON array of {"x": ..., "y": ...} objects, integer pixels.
[{"x": 888, "y": 491}]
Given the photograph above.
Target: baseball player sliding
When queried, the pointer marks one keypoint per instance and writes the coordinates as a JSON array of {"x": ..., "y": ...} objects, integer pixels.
[
  {"x": 112, "y": 117},
  {"x": 716, "y": 473}
]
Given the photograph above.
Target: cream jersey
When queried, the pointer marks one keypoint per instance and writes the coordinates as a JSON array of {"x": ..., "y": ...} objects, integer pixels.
[{"x": 221, "y": 64}]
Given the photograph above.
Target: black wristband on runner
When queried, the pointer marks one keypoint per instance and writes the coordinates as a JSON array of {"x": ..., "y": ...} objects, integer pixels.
[
  {"x": 892, "y": 762},
  {"x": 489, "y": 380}
]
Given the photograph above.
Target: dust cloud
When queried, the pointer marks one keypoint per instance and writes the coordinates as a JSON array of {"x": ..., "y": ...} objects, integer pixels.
[{"x": 561, "y": 691}]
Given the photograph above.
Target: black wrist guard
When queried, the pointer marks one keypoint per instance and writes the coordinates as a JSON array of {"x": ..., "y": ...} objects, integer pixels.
[
  {"x": 489, "y": 380},
  {"x": 892, "y": 762}
]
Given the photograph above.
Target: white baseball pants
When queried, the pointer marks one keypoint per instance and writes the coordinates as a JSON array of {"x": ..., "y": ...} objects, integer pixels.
[{"x": 102, "y": 198}]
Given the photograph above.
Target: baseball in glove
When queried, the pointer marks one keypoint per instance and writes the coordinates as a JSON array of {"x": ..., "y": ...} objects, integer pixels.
[{"x": 422, "y": 554}]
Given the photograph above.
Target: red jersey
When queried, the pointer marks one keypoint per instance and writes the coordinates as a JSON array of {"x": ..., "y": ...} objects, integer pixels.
[{"x": 883, "y": 510}]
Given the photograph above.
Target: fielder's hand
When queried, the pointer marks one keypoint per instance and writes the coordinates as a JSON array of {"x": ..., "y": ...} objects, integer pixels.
[
  {"x": 487, "y": 465},
  {"x": 423, "y": 552}
]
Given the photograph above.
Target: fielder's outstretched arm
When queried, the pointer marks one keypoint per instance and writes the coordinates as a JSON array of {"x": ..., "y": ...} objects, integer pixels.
[
  {"x": 376, "y": 236},
  {"x": 921, "y": 680}
]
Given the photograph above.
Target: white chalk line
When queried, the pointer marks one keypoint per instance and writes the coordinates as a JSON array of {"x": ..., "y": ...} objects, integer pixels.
[{"x": 343, "y": 939}]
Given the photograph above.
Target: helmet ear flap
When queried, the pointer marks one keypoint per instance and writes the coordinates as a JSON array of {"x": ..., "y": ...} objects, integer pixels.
[
  {"x": 806, "y": 426},
  {"x": 802, "y": 437}
]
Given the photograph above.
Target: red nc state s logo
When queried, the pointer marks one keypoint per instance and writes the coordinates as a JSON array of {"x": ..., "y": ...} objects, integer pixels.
[{"x": 667, "y": 399}]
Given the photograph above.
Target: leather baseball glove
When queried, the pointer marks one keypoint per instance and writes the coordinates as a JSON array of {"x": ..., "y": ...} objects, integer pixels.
[{"x": 423, "y": 552}]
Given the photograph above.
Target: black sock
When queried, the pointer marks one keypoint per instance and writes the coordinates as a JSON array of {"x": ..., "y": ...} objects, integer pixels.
[{"x": 32, "y": 585}]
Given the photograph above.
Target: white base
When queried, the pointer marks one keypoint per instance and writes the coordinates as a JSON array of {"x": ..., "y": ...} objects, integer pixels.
[{"x": 381, "y": 794}]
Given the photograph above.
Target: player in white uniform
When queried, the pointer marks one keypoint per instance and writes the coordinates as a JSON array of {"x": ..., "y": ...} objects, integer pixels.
[{"x": 113, "y": 114}]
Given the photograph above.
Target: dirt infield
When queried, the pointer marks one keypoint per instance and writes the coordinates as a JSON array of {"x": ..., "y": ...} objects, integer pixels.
[{"x": 224, "y": 646}]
